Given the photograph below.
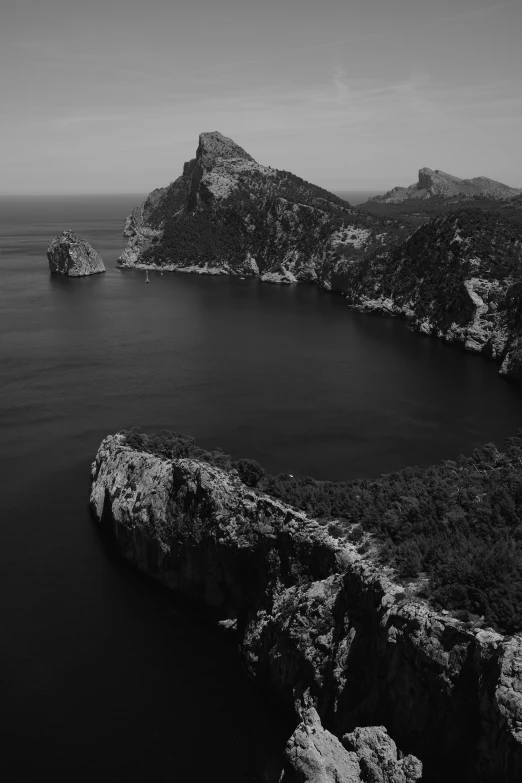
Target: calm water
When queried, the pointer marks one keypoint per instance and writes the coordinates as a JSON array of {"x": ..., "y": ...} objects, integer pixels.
[{"x": 103, "y": 675}]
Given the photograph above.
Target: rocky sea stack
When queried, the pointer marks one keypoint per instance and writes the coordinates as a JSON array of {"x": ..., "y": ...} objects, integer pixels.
[{"x": 73, "y": 256}]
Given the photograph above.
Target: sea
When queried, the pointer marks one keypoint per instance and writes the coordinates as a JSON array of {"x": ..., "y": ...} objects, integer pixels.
[{"x": 105, "y": 675}]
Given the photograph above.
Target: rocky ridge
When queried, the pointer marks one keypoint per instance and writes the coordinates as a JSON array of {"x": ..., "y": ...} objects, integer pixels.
[
  {"x": 321, "y": 625},
  {"x": 69, "y": 254},
  {"x": 438, "y": 183}
]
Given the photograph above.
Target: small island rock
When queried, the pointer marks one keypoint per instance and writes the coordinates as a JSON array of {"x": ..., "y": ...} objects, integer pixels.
[{"x": 71, "y": 255}]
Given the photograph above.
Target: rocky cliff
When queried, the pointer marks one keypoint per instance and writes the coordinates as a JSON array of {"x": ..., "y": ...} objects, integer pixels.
[
  {"x": 228, "y": 214},
  {"x": 459, "y": 277},
  {"x": 69, "y": 254},
  {"x": 322, "y": 626},
  {"x": 438, "y": 183}
]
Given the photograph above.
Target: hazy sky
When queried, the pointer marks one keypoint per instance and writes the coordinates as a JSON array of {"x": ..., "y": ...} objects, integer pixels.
[{"x": 110, "y": 95}]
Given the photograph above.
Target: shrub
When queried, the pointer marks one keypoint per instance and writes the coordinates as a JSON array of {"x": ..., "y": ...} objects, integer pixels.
[{"x": 250, "y": 471}]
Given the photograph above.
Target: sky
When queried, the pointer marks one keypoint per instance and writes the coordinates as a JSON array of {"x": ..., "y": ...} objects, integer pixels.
[{"x": 109, "y": 96}]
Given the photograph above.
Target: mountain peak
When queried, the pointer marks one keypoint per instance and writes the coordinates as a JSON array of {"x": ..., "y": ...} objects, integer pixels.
[
  {"x": 440, "y": 183},
  {"x": 213, "y": 145}
]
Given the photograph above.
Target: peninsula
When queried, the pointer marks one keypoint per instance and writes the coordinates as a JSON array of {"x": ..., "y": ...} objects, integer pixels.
[
  {"x": 358, "y": 656},
  {"x": 457, "y": 275}
]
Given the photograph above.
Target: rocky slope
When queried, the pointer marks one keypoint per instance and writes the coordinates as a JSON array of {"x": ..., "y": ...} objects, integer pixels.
[
  {"x": 438, "y": 183},
  {"x": 322, "y": 626},
  {"x": 228, "y": 214},
  {"x": 459, "y": 277},
  {"x": 69, "y": 254}
]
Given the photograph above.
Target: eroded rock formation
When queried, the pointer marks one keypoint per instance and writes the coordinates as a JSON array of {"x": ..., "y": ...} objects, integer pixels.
[
  {"x": 70, "y": 255},
  {"x": 321, "y": 625},
  {"x": 366, "y": 755}
]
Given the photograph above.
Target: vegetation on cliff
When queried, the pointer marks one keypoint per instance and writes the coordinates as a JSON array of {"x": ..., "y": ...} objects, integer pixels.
[
  {"x": 414, "y": 212},
  {"x": 427, "y": 272},
  {"x": 458, "y": 524},
  {"x": 267, "y": 217}
]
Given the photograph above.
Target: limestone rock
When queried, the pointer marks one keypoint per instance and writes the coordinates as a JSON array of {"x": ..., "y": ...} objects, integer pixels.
[
  {"x": 73, "y": 256},
  {"x": 314, "y": 755},
  {"x": 378, "y": 757},
  {"x": 366, "y": 755}
]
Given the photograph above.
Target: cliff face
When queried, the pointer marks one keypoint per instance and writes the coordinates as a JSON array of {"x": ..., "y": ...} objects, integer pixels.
[
  {"x": 438, "y": 183},
  {"x": 457, "y": 277},
  {"x": 69, "y": 254},
  {"x": 319, "y": 624},
  {"x": 228, "y": 214}
]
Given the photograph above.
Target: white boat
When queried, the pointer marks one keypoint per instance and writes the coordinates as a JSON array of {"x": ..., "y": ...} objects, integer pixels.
[{"x": 147, "y": 277}]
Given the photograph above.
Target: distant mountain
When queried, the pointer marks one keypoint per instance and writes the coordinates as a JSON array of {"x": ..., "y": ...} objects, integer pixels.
[
  {"x": 438, "y": 183},
  {"x": 228, "y": 214}
]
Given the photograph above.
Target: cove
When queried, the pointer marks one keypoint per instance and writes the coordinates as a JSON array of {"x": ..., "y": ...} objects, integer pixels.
[{"x": 102, "y": 674}]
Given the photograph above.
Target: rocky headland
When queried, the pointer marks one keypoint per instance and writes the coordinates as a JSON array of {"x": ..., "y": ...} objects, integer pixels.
[
  {"x": 70, "y": 255},
  {"x": 228, "y": 214},
  {"x": 437, "y": 183},
  {"x": 456, "y": 274},
  {"x": 339, "y": 642}
]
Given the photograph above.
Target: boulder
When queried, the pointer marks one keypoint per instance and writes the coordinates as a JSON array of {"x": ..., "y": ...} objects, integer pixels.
[{"x": 71, "y": 255}]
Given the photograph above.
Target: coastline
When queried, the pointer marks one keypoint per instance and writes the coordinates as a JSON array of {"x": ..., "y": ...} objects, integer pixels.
[{"x": 320, "y": 625}]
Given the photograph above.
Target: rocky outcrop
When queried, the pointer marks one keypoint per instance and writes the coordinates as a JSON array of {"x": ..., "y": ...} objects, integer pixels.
[
  {"x": 228, "y": 214},
  {"x": 321, "y": 624},
  {"x": 70, "y": 255},
  {"x": 456, "y": 278},
  {"x": 366, "y": 755},
  {"x": 438, "y": 183}
]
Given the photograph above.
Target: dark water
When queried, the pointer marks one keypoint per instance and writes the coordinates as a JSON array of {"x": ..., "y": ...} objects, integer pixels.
[{"x": 103, "y": 675}]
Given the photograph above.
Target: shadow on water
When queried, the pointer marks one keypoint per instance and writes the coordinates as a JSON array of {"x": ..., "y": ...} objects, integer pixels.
[{"x": 257, "y": 745}]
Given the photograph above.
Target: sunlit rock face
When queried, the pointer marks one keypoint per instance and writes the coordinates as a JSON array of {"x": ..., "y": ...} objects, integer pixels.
[
  {"x": 70, "y": 255},
  {"x": 321, "y": 626}
]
